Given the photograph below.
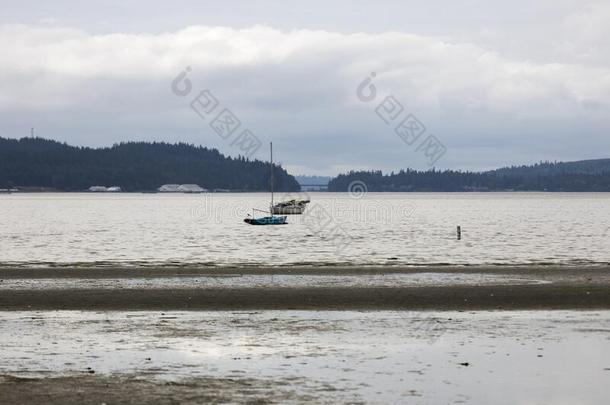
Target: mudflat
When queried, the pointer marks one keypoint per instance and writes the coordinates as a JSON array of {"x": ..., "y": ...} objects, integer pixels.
[
  {"x": 130, "y": 389},
  {"x": 305, "y": 288}
]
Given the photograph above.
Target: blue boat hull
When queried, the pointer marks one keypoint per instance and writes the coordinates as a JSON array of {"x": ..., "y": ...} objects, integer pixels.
[{"x": 274, "y": 220}]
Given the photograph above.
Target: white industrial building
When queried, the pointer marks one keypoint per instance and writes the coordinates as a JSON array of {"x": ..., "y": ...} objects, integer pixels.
[
  {"x": 104, "y": 189},
  {"x": 181, "y": 188}
]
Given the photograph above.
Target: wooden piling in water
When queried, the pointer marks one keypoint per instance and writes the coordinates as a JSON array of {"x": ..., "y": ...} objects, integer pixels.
[{"x": 459, "y": 232}]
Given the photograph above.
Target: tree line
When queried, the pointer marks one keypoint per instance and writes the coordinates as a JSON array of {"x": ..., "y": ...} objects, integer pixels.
[
  {"x": 587, "y": 175},
  {"x": 133, "y": 166}
]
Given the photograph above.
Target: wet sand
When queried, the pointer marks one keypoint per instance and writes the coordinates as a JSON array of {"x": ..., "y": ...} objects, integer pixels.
[
  {"x": 443, "y": 334},
  {"x": 128, "y": 389},
  {"x": 305, "y": 288},
  {"x": 421, "y": 357}
]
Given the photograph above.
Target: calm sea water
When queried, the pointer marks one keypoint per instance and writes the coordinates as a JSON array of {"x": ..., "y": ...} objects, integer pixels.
[{"x": 378, "y": 228}]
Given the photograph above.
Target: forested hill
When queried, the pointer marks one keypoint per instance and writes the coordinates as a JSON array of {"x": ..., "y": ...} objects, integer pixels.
[
  {"x": 133, "y": 166},
  {"x": 594, "y": 166},
  {"x": 585, "y": 175}
]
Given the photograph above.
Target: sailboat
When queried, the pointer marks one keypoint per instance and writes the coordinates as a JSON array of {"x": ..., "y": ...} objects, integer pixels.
[{"x": 272, "y": 219}]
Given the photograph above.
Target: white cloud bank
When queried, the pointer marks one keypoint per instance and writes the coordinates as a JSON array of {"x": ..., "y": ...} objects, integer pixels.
[{"x": 298, "y": 87}]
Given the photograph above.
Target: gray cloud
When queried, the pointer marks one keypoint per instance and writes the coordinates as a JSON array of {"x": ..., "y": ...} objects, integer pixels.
[{"x": 492, "y": 92}]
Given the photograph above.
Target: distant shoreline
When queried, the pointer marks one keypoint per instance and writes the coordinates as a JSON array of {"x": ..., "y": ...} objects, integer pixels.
[{"x": 38, "y": 163}]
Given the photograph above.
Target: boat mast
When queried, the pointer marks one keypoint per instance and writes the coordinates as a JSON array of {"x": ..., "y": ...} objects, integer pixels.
[{"x": 271, "y": 147}]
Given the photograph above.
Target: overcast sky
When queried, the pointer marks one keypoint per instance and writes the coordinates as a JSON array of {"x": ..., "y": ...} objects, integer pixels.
[{"x": 496, "y": 82}]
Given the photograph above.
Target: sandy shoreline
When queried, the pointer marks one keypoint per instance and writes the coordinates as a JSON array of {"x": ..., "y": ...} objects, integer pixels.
[
  {"x": 522, "y": 287},
  {"x": 93, "y": 271}
]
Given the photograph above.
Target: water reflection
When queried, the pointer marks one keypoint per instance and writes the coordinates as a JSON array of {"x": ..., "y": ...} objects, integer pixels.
[{"x": 380, "y": 356}]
